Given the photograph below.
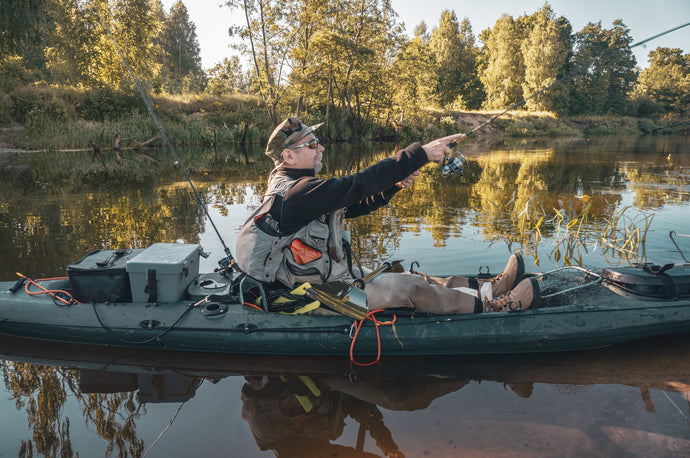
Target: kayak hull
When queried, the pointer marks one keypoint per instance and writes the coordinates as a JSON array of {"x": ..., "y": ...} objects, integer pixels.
[{"x": 603, "y": 319}]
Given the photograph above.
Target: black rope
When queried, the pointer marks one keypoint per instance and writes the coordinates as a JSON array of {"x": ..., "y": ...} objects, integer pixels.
[{"x": 121, "y": 339}]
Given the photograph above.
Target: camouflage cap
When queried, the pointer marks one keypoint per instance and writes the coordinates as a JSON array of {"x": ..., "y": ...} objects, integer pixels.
[{"x": 287, "y": 133}]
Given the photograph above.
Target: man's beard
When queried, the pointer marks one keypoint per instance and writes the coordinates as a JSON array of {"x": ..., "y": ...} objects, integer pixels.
[{"x": 318, "y": 165}]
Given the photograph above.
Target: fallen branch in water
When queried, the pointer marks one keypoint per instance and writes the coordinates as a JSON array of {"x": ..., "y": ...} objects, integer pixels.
[
  {"x": 116, "y": 147},
  {"x": 97, "y": 150},
  {"x": 118, "y": 141},
  {"x": 148, "y": 144}
]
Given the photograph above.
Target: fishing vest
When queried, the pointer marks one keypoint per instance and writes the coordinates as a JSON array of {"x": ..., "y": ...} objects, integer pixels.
[{"x": 313, "y": 254}]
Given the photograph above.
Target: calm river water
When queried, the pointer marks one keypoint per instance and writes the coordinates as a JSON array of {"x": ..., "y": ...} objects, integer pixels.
[{"x": 595, "y": 202}]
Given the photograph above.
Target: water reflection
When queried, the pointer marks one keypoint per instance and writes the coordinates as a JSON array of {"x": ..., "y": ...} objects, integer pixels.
[
  {"x": 502, "y": 197},
  {"x": 614, "y": 402},
  {"x": 298, "y": 407},
  {"x": 301, "y": 415}
]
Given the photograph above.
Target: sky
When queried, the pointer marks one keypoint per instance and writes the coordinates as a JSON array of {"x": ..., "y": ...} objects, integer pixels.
[{"x": 644, "y": 19}]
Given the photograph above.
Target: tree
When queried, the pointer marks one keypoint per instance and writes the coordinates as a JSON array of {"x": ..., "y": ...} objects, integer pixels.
[
  {"x": 305, "y": 18},
  {"x": 227, "y": 76},
  {"x": 502, "y": 64},
  {"x": 472, "y": 90},
  {"x": 341, "y": 56},
  {"x": 70, "y": 37},
  {"x": 22, "y": 30},
  {"x": 135, "y": 25},
  {"x": 448, "y": 49},
  {"x": 667, "y": 79},
  {"x": 546, "y": 51},
  {"x": 266, "y": 39},
  {"x": 415, "y": 85},
  {"x": 360, "y": 48},
  {"x": 453, "y": 47},
  {"x": 604, "y": 68},
  {"x": 180, "y": 52}
]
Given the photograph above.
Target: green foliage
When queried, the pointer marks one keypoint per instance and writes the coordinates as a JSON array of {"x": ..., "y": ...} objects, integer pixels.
[
  {"x": 103, "y": 102},
  {"x": 15, "y": 73},
  {"x": 454, "y": 55},
  {"x": 181, "y": 70},
  {"x": 521, "y": 128},
  {"x": 21, "y": 25},
  {"x": 6, "y": 108},
  {"x": 347, "y": 63},
  {"x": 415, "y": 85},
  {"x": 645, "y": 125},
  {"x": 70, "y": 49},
  {"x": 409, "y": 134},
  {"x": 667, "y": 80},
  {"x": 601, "y": 125},
  {"x": 546, "y": 51},
  {"x": 605, "y": 69},
  {"x": 261, "y": 39},
  {"x": 642, "y": 105},
  {"x": 35, "y": 106},
  {"x": 227, "y": 77},
  {"x": 503, "y": 68}
]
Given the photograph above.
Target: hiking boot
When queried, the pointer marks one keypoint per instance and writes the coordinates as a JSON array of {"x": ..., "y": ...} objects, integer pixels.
[
  {"x": 505, "y": 281},
  {"x": 522, "y": 297}
]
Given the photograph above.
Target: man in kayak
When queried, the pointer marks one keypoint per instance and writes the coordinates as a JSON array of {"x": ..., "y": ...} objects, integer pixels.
[{"x": 295, "y": 235}]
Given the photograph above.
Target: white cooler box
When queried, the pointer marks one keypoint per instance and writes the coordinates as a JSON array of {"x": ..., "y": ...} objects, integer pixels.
[{"x": 169, "y": 267}]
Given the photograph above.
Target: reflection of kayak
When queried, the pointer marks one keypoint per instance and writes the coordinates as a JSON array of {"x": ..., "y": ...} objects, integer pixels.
[
  {"x": 600, "y": 317},
  {"x": 650, "y": 364}
]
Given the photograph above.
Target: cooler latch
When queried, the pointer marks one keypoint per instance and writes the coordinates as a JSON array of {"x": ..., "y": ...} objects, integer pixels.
[{"x": 151, "y": 285}]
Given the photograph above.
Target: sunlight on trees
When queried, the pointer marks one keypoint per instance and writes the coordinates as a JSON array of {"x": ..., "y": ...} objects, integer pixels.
[{"x": 348, "y": 63}]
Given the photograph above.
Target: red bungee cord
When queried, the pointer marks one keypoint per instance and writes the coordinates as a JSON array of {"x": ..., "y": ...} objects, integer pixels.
[{"x": 377, "y": 323}]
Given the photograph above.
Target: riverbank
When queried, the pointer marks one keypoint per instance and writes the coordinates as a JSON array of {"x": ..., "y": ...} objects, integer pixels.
[
  {"x": 126, "y": 150},
  {"x": 208, "y": 129}
]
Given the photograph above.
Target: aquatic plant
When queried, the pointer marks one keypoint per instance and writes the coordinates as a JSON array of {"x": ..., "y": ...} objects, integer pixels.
[{"x": 621, "y": 237}]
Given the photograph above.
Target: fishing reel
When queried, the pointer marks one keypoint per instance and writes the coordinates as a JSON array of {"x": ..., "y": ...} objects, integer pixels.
[{"x": 453, "y": 165}]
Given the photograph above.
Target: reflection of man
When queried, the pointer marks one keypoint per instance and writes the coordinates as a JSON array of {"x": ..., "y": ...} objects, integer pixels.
[
  {"x": 295, "y": 235},
  {"x": 299, "y": 416}
]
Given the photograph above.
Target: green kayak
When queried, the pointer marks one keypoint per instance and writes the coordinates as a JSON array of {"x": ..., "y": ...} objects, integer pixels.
[{"x": 202, "y": 323}]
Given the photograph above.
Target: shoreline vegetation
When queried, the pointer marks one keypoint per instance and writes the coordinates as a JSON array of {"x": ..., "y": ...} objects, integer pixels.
[
  {"x": 70, "y": 113},
  {"x": 57, "y": 120},
  {"x": 227, "y": 133}
]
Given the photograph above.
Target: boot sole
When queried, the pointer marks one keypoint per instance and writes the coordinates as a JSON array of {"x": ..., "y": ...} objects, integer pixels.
[
  {"x": 520, "y": 270},
  {"x": 535, "y": 292}
]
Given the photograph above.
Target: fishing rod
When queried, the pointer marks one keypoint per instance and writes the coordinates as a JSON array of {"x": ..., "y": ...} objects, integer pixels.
[
  {"x": 229, "y": 260},
  {"x": 453, "y": 165}
]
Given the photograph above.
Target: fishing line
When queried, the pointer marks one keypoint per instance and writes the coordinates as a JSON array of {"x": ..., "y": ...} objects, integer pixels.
[
  {"x": 455, "y": 165},
  {"x": 229, "y": 260},
  {"x": 170, "y": 423}
]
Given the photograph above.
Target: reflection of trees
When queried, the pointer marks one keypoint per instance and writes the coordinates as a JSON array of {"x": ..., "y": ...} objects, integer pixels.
[
  {"x": 666, "y": 180},
  {"x": 504, "y": 192},
  {"x": 508, "y": 181},
  {"x": 43, "y": 391},
  {"x": 47, "y": 233},
  {"x": 222, "y": 195},
  {"x": 509, "y": 193}
]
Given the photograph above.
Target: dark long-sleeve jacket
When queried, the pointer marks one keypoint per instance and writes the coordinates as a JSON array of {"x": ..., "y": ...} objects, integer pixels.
[{"x": 360, "y": 193}]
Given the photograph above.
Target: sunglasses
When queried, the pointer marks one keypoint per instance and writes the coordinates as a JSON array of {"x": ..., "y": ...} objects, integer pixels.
[{"x": 312, "y": 144}]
